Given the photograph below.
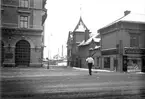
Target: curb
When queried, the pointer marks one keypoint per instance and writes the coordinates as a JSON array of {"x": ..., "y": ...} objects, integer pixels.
[{"x": 94, "y": 70}]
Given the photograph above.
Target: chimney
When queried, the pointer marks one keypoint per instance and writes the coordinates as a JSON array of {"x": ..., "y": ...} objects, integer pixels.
[
  {"x": 126, "y": 12},
  {"x": 87, "y": 32}
]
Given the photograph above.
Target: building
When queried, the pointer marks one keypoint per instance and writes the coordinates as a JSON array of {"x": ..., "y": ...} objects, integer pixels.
[
  {"x": 22, "y": 28},
  {"x": 89, "y": 47},
  {"x": 80, "y": 33},
  {"x": 123, "y": 43}
]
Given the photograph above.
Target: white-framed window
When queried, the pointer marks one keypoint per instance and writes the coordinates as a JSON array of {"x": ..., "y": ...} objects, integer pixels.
[
  {"x": 23, "y": 21},
  {"x": 24, "y": 3}
]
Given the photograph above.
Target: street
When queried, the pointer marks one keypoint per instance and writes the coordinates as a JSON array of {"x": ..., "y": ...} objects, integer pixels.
[{"x": 70, "y": 83}]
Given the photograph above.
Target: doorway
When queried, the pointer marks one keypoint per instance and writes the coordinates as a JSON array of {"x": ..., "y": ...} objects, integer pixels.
[
  {"x": 2, "y": 52},
  {"x": 22, "y": 53}
]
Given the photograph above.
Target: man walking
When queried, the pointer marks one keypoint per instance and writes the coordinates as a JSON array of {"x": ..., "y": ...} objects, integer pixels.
[{"x": 90, "y": 62}]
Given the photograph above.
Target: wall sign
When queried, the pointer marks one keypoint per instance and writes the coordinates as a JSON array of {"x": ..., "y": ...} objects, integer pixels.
[
  {"x": 134, "y": 51},
  {"x": 109, "y": 52}
]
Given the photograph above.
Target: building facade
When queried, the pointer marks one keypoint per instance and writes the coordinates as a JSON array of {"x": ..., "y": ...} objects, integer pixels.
[
  {"x": 87, "y": 48},
  {"x": 22, "y": 28},
  {"x": 123, "y": 43},
  {"x": 79, "y": 34}
]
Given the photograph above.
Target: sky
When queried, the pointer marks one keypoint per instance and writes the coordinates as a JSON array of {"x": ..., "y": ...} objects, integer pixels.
[{"x": 63, "y": 16}]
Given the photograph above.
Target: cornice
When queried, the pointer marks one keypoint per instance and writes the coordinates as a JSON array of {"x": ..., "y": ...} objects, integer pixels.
[
  {"x": 15, "y": 6},
  {"x": 130, "y": 30},
  {"x": 18, "y": 30}
]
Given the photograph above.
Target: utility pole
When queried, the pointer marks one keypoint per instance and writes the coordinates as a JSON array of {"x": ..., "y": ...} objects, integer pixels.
[{"x": 62, "y": 51}]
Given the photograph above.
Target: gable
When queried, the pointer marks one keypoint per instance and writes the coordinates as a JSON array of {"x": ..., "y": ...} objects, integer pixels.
[{"x": 81, "y": 26}]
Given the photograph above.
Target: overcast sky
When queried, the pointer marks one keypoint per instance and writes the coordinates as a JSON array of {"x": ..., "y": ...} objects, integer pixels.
[{"x": 63, "y": 16}]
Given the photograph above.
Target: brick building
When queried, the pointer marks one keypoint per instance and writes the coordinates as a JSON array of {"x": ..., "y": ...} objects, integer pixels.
[
  {"x": 22, "y": 28},
  {"x": 123, "y": 43}
]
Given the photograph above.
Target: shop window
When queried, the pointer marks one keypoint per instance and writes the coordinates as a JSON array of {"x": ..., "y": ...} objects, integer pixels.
[
  {"x": 106, "y": 62},
  {"x": 134, "y": 40}
]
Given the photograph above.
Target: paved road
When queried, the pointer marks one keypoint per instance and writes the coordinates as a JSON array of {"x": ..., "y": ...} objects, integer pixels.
[{"x": 68, "y": 83}]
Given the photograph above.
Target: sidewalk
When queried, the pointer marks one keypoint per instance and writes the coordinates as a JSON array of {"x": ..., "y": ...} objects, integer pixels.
[
  {"x": 94, "y": 70},
  {"x": 102, "y": 70}
]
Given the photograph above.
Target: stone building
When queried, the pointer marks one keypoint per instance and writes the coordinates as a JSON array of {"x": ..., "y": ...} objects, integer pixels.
[
  {"x": 22, "y": 28},
  {"x": 123, "y": 43}
]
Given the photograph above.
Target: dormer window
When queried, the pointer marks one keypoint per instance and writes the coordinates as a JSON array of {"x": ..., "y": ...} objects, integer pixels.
[{"x": 24, "y": 3}]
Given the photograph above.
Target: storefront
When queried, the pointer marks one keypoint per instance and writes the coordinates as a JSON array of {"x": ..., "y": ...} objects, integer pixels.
[
  {"x": 109, "y": 59},
  {"x": 134, "y": 58}
]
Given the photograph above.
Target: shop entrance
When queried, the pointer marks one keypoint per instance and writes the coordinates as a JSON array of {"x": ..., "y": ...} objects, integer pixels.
[{"x": 22, "y": 53}]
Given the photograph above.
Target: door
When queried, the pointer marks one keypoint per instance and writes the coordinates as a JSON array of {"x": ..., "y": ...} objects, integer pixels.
[
  {"x": 2, "y": 53},
  {"x": 22, "y": 53}
]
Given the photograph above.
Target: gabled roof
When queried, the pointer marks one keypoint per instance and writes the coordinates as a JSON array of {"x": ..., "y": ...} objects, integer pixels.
[
  {"x": 94, "y": 38},
  {"x": 131, "y": 17},
  {"x": 69, "y": 37},
  {"x": 80, "y": 26}
]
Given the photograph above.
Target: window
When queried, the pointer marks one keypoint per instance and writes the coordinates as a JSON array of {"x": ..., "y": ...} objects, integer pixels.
[
  {"x": 106, "y": 62},
  {"x": 23, "y": 21},
  {"x": 134, "y": 40},
  {"x": 24, "y": 3}
]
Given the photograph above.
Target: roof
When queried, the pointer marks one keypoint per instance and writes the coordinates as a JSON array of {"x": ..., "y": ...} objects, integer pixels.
[
  {"x": 69, "y": 37},
  {"x": 95, "y": 48},
  {"x": 131, "y": 17},
  {"x": 80, "y": 26},
  {"x": 140, "y": 18},
  {"x": 94, "y": 38}
]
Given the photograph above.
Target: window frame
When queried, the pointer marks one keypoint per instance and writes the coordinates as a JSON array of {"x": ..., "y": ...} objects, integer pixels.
[
  {"x": 24, "y": 4},
  {"x": 23, "y": 21}
]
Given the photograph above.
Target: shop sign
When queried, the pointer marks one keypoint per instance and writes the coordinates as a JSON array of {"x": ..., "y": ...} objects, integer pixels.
[
  {"x": 109, "y": 52},
  {"x": 134, "y": 51}
]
